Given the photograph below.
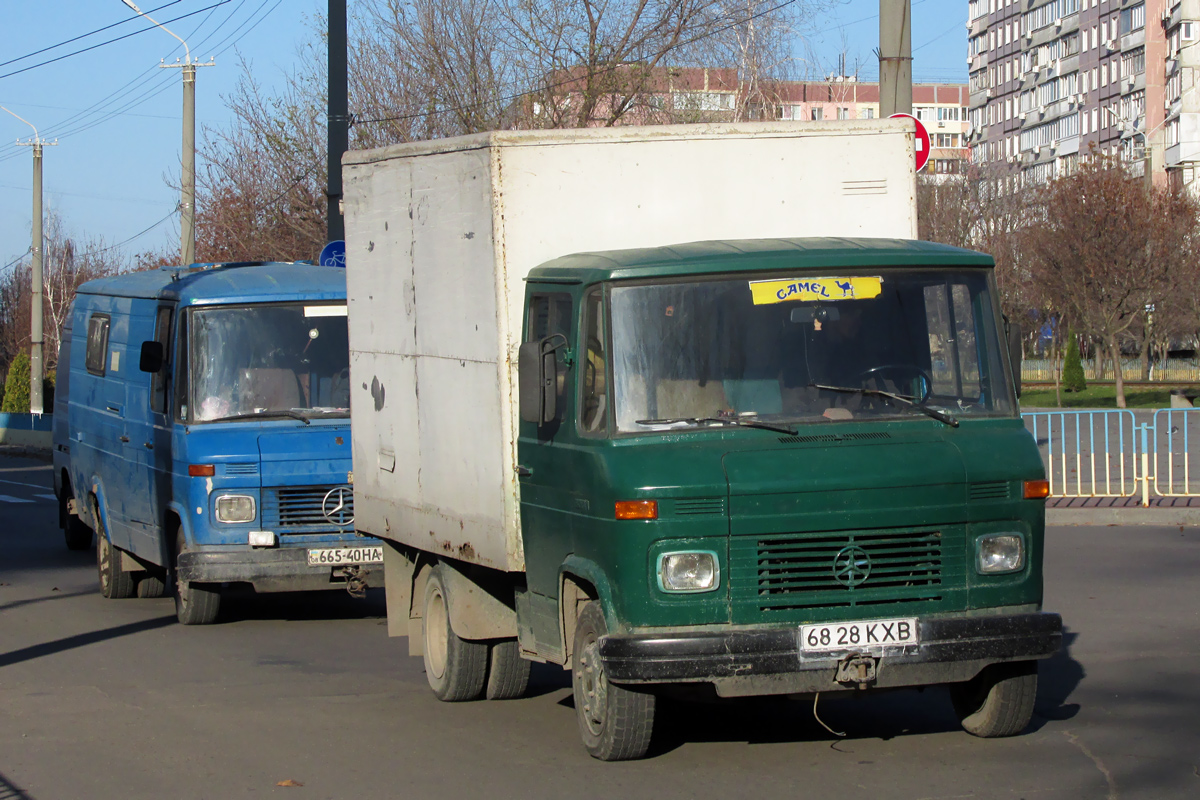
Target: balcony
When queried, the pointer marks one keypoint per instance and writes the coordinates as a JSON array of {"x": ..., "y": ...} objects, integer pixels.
[{"x": 1132, "y": 39}]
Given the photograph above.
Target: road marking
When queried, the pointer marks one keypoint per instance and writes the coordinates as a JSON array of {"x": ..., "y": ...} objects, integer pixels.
[
  {"x": 20, "y": 483},
  {"x": 5, "y": 498}
]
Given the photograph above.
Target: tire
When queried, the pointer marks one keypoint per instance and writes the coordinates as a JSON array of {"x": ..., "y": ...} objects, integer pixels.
[
  {"x": 78, "y": 535},
  {"x": 997, "y": 702},
  {"x": 115, "y": 583},
  {"x": 508, "y": 673},
  {"x": 615, "y": 723},
  {"x": 150, "y": 585},
  {"x": 455, "y": 668},
  {"x": 195, "y": 603}
]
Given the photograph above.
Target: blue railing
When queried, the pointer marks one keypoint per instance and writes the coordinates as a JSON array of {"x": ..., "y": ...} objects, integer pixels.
[{"x": 1119, "y": 453}]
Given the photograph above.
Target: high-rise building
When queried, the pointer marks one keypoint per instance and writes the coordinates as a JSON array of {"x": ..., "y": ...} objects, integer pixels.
[{"x": 1050, "y": 81}]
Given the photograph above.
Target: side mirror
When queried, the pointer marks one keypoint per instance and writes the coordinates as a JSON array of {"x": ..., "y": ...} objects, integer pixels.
[
  {"x": 537, "y": 376},
  {"x": 1012, "y": 334},
  {"x": 152, "y": 357}
]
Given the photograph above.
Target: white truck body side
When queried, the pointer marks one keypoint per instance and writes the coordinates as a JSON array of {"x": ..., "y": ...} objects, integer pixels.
[{"x": 440, "y": 235}]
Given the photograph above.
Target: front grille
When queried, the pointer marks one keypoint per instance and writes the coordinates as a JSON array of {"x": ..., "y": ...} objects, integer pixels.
[
  {"x": 241, "y": 469},
  {"x": 299, "y": 507},
  {"x": 797, "y": 571}
]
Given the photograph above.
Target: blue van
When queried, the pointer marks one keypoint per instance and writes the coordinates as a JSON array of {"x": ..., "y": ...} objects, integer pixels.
[{"x": 207, "y": 435}]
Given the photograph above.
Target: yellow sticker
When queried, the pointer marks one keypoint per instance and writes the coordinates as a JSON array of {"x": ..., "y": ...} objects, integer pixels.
[{"x": 810, "y": 289}]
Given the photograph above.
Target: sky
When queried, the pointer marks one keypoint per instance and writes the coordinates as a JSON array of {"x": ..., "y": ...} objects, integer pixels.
[{"x": 116, "y": 114}]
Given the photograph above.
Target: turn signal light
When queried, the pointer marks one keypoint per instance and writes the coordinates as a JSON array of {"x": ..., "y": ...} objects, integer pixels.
[
  {"x": 637, "y": 509},
  {"x": 1037, "y": 490},
  {"x": 202, "y": 470}
]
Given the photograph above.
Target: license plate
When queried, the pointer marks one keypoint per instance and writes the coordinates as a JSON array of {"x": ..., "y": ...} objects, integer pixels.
[
  {"x": 858, "y": 635},
  {"x": 338, "y": 556}
]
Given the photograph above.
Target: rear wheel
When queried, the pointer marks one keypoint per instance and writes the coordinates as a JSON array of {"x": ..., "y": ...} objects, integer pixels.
[
  {"x": 615, "y": 723},
  {"x": 508, "y": 673},
  {"x": 998, "y": 701},
  {"x": 115, "y": 583},
  {"x": 455, "y": 668},
  {"x": 195, "y": 603},
  {"x": 151, "y": 585}
]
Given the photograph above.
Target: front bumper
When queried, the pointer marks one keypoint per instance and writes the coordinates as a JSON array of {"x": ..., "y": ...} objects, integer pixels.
[
  {"x": 283, "y": 569},
  {"x": 770, "y": 661}
]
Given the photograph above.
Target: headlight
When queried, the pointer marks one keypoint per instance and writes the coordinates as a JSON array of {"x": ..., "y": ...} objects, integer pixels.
[
  {"x": 1000, "y": 552},
  {"x": 235, "y": 508},
  {"x": 689, "y": 572}
]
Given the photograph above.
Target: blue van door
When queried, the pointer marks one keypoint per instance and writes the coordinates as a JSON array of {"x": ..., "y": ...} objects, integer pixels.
[{"x": 147, "y": 427}]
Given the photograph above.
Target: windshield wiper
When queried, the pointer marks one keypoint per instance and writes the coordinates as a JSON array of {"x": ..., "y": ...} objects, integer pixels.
[
  {"x": 274, "y": 412},
  {"x": 940, "y": 416},
  {"x": 745, "y": 423}
]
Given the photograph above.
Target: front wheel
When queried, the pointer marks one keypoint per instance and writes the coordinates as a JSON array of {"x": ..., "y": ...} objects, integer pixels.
[
  {"x": 615, "y": 722},
  {"x": 998, "y": 701},
  {"x": 115, "y": 583},
  {"x": 455, "y": 668},
  {"x": 195, "y": 603}
]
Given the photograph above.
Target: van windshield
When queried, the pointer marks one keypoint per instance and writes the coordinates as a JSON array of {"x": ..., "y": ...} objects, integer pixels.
[
  {"x": 285, "y": 358},
  {"x": 808, "y": 348}
]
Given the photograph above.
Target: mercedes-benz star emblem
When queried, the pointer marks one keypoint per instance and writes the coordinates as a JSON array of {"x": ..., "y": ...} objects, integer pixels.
[
  {"x": 851, "y": 566},
  {"x": 338, "y": 506}
]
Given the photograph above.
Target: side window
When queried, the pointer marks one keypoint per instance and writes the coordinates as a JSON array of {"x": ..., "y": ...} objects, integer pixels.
[
  {"x": 550, "y": 314},
  {"x": 593, "y": 417},
  {"x": 180, "y": 359},
  {"x": 953, "y": 348},
  {"x": 97, "y": 344},
  {"x": 162, "y": 335}
]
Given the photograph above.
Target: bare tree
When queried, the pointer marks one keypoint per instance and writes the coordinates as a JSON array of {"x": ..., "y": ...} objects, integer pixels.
[{"x": 1106, "y": 245}]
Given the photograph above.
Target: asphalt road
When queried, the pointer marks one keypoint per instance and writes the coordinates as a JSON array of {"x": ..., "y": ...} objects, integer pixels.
[{"x": 112, "y": 699}]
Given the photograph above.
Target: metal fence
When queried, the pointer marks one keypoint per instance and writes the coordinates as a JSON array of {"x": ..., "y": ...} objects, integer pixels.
[
  {"x": 1172, "y": 370},
  {"x": 1121, "y": 453}
]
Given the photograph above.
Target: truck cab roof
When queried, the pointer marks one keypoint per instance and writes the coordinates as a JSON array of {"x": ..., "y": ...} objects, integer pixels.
[
  {"x": 231, "y": 283},
  {"x": 752, "y": 255}
]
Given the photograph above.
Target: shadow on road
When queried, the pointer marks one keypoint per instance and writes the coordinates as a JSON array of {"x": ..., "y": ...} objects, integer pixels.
[
  {"x": 242, "y": 604},
  {"x": 1058, "y": 677},
  {"x": 82, "y": 640},
  {"x": 55, "y": 596},
  {"x": 10, "y": 792}
]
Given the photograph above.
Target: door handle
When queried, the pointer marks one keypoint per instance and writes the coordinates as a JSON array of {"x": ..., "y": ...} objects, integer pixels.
[
  {"x": 149, "y": 445},
  {"x": 124, "y": 438},
  {"x": 523, "y": 471},
  {"x": 113, "y": 409}
]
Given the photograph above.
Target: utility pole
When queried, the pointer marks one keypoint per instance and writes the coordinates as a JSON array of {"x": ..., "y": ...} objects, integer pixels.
[
  {"x": 895, "y": 57},
  {"x": 36, "y": 337},
  {"x": 338, "y": 119},
  {"x": 187, "y": 200}
]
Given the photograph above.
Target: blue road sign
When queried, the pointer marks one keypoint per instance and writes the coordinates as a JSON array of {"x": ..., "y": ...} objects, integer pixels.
[{"x": 333, "y": 254}]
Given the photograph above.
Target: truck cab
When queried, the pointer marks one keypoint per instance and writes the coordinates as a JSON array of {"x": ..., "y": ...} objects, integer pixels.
[
  {"x": 777, "y": 467},
  {"x": 207, "y": 435}
]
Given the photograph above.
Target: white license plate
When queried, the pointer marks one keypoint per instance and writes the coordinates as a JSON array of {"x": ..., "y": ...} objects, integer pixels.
[
  {"x": 348, "y": 556},
  {"x": 858, "y": 635}
]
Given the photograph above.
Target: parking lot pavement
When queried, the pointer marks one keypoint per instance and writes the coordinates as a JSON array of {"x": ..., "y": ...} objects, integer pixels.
[{"x": 112, "y": 699}]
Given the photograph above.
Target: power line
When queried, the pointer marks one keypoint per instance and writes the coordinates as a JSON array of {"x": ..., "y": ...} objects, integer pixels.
[
  {"x": 84, "y": 36},
  {"x": 110, "y": 41},
  {"x": 18, "y": 259},
  {"x": 170, "y": 214}
]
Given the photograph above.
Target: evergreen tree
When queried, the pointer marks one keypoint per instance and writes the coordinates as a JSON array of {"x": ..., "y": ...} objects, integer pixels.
[
  {"x": 1072, "y": 374},
  {"x": 16, "y": 386}
]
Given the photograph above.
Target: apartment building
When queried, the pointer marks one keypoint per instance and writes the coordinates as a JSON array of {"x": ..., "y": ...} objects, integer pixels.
[{"x": 1050, "y": 81}]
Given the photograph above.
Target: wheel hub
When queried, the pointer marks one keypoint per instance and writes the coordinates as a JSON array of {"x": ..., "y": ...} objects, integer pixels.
[{"x": 593, "y": 687}]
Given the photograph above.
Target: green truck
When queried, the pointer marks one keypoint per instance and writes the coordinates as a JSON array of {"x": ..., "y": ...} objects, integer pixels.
[{"x": 770, "y": 466}]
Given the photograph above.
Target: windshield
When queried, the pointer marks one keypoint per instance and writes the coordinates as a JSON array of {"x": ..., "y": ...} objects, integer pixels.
[
  {"x": 286, "y": 359},
  {"x": 798, "y": 349}
]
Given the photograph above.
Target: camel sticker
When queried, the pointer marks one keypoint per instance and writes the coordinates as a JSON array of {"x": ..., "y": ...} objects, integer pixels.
[{"x": 813, "y": 289}]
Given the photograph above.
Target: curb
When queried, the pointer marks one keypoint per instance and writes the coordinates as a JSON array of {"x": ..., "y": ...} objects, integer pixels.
[{"x": 1161, "y": 517}]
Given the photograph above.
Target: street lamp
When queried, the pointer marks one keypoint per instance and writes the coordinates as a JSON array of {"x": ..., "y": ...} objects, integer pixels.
[
  {"x": 36, "y": 365},
  {"x": 187, "y": 204}
]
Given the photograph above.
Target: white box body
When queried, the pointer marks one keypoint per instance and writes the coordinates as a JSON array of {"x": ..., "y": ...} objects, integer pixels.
[{"x": 440, "y": 236}]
